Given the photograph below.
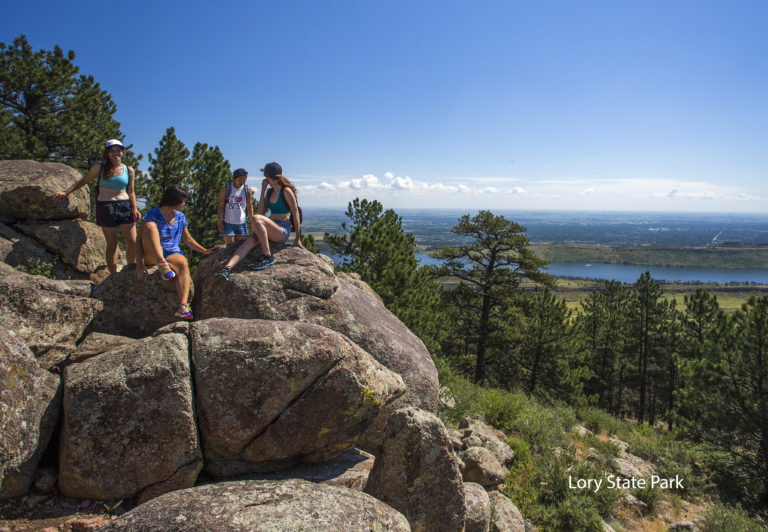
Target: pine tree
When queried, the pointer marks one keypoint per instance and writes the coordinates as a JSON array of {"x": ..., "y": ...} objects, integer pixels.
[
  {"x": 209, "y": 171},
  {"x": 647, "y": 316},
  {"x": 734, "y": 404},
  {"x": 50, "y": 113},
  {"x": 376, "y": 247},
  {"x": 492, "y": 265},
  {"x": 550, "y": 352},
  {"x": 170, "y": 166}
]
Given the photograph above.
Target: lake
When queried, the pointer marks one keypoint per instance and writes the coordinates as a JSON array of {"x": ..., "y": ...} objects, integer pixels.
[{"x": 629, "y": 273}]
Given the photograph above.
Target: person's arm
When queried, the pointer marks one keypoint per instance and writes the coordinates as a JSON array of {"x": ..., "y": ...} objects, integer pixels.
[
  {"x": 263, "y": 197},
  {"x": 194, "y": 246},
  {"x": 132, "y": 194},
  {"x": 222, "y": 200},
  {"x": 92, "y": 172},
  {"x": 249, "y": 200},
  {"x": 293, "y": 205}
]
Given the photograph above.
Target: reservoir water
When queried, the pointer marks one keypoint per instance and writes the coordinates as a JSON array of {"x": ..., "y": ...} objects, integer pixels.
[{"x": 629, "y": 273}]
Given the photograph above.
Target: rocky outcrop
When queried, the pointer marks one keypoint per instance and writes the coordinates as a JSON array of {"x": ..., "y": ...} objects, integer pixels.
[
  {"x": 267, "y": 506},
  {"x": 477, "y": 432},
  {"x": 29, "y": 412},
  {"x": 291, "y": 392},
  {"x": 481, "y": 466},
  {"x": 78, "y": 243},
  {"x": 96, "y": 344},
  {"x": 136, "y": 307},
  {"x": 302, "y": 287},
  {"x": 27, "y": 191},
  {"x": 417, "y": 473},
  {"x": 49, "y": 316},
  {"x": 478, "y": 508},
  {"x": 129, "y": 427},
  {"x": 505, "y": 516},
  {"x": 348, "y": 470},
  {"x": 42, "y": 231}
]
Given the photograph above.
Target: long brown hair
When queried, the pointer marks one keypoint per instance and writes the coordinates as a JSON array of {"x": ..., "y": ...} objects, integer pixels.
[
  {"x": 106, "y": 163},
  {"x": 285, "y": 183}
]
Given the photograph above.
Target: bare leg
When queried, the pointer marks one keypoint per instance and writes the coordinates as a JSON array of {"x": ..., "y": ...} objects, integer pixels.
[
  {"x": 182, "y": 280},
  {"x": 150, "y": 244},
  {"x": 241, "y": 252},
  {"x": 228, "y": 239},
  {"x": 110, "y": 235},
  {"x": 265, "y": 230},
  {"x": 129, "y": 233}
]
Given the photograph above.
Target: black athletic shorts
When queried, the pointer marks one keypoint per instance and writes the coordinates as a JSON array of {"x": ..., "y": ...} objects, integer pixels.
[{"x": 114, "y": 213}]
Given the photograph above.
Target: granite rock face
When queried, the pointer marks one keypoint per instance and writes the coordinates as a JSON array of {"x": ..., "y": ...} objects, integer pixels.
[
  {"x": 49, "y": 316},
  {"x": 136, "y": 307},
  {"x": 505, "y": 516},
  {"x": 478, "y": 508},
  {"x": 417, "y": 473},
  {"x": 27, "y": 191},
  {"x": 272, "y": 394},
  {"x": 262, "y": 506},
  {"x": 303, "y": 287},
  {"x": 30, "y": 409},
  {"x": 129, "y": 427},
  {"x": 79, "y": 243}
]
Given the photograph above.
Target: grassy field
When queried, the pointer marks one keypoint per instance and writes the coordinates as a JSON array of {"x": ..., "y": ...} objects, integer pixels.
[
  {"x": 692, "y": 257},
  {"x": 730, "y": 297}
]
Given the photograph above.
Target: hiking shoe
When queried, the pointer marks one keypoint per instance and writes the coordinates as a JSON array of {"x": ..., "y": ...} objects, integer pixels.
[
  {"x": 184, "y": 312},
  {"x": 166, "y": 271},
  {"x": 262, "y": 262},
  {"x": 223, "y": 273}
]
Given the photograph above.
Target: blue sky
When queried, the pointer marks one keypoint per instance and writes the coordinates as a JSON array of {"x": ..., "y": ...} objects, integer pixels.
[{"x": 594, "y": 105}]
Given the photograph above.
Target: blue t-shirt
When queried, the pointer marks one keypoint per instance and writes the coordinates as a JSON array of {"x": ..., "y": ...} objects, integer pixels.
[{"x": 170, "y": 235}]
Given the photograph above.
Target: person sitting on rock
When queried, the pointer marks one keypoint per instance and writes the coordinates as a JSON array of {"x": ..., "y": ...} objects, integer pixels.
[
  {"x": 281, "y": 201},
  {"x": 158, "y": 243},
  {"x": 115, "y": 201},
  {"x": 235, "y": 208}
]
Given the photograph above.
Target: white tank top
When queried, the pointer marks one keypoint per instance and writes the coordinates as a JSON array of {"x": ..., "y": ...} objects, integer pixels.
[{"x": 234, "y": 208}]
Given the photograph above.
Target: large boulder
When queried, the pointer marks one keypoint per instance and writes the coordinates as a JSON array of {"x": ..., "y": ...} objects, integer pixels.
[
  {"x": 478, "y": 508},
  {"x": 96, "y": 344},
  {"x": 129, "y": 427},
  {"x": 262, "y": 506},
  {"x": 270, "y": 394},
  {"x": 417, "y": 473},
  {"x": 303, "y": 287},
  {"x": 27, "y": 191},
  {"x": 475, "y": 430},
  {"x": 79, "y": 243},
  {"x": 49, "y": 316},
  {"x": 136, "y": 307},
  {"x": 481, "y": 466},
  {"x": 348, "y": 470},
  {"x": 29, "y": 412},
  {"x": 505, "y": 517}
]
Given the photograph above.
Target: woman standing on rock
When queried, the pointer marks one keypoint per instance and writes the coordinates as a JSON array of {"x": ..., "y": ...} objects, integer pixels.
[
  {"x": 283, "y": 206},
  {"x": 115, "y": 202},
  {"x": 158, "y": 243}
]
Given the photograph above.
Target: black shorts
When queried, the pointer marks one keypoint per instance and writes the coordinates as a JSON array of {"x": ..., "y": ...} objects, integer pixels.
[{"x": 114, "y": 213}]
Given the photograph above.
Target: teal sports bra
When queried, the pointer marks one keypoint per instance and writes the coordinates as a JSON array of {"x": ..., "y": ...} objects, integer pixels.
[
  {"x": 118, "y": 182},
  {"x": 278, "y": 207}
]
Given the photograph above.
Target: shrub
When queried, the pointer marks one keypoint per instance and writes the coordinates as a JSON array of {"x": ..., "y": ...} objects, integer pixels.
[
  {"x": 44, "y": 268},
  {"x": 722, "y": 517}
]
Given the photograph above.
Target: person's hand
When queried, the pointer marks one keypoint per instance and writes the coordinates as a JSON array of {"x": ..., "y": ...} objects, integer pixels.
[
  {"x": 298, "y": 243},
  {"x": 59, "y": 197},
  {"x": 264, "y": 184},
  {"x": 136, "y": 214},
  {"x": 213, "y": 249}
]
